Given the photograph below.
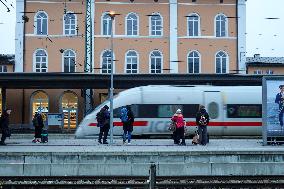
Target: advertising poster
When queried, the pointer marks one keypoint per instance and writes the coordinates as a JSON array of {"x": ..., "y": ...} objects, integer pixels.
[{"x": 273, "y": 110}]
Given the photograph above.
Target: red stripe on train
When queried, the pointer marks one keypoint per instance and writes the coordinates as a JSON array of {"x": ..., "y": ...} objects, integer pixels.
[
  {"x": 136, "y": 124},
  {"x": 192, "y": 123},
  {"x": 229, "y": 124}
]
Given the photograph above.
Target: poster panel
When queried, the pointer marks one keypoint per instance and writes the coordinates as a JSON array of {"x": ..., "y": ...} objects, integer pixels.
[{"x": 273, "y": 110}]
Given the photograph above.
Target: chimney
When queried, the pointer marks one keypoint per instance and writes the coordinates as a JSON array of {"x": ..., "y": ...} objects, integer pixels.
[{"x": 256, "y": 55}]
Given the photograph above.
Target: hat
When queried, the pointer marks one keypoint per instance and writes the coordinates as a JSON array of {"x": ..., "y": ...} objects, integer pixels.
[
  {"x": 106, "y": 107},
  {"x": 178, "y": 111},
  {"x": 280, "y": 86}
]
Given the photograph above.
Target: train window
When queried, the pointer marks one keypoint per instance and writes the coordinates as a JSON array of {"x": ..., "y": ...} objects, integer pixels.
[
  {"x": 116, "y": 112},
  {"x": 190, "y": 110},
  {"x": 244, "y": 110},
  {"x": 168, "y": 110},
  {"x": 147, "y": 110},
  {"x": 213, "y": 110}
]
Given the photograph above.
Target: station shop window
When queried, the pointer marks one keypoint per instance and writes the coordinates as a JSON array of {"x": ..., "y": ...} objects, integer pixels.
[
  {"x": 3, "y": 68},
  {"x": 39, "y": 103},
  {"x": 244, "y": 110},
  {"x": 69, "y": 105}
]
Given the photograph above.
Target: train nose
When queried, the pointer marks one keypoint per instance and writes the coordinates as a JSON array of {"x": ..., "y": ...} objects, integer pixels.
[{"x": 79, "y": 132}]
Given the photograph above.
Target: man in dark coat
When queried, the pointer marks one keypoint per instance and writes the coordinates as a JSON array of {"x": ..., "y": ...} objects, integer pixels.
[
  {"x": 104, "y": 124},
  {"x": 280, "y": 101},
  {"x": 5, "y": 126},
  {"x": 202, "y": 120}
]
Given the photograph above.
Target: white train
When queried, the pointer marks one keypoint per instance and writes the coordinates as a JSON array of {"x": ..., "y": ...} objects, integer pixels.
[{"x": 233, "y": 110}]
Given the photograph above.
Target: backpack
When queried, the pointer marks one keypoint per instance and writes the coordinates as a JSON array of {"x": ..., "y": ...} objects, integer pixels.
[
  {"x": 203, "y": 120},
  {"x": 100, "y": 117},
  {"x": 123, "y": 115}
]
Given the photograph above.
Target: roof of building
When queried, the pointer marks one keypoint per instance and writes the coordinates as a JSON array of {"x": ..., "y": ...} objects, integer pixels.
[
  {"x": 7, "y": 59},
  {"x": 265, "y": 61}
]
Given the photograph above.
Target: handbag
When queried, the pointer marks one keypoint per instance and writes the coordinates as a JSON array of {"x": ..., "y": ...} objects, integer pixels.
[{"x": 172, "y": 126}]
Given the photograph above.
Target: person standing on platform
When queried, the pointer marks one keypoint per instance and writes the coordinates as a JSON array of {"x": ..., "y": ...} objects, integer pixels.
[
  {"x": 127, "y": 119},
  {"x": 280, "y": 101},
  {"x": 38, "y": 125},
  {"x": 178, "y": 119},
  {"x": 103, "y": 119},
  {"x": 202, "y": 120},
  {"x": 5, "y": 126}
]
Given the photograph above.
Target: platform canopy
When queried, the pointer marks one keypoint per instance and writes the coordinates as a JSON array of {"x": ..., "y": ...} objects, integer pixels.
[{"x": 121, "y": 81}]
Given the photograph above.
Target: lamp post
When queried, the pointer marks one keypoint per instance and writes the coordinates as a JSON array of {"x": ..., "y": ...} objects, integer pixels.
[{"x": 112, "y": 16}]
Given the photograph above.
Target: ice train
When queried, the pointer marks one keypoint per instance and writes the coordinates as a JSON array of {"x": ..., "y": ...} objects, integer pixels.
[{"x": 233, "y": 110}]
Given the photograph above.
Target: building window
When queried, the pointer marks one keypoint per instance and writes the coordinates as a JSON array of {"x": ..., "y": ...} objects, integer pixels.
[
  {"x": 70, "y": 24},
  {"x": 221, "y": 25},
  {"x": 156, "y": 62},
  {"x": 269, "y": 72},
  {"x": 193, "y": 62},
  {"x": 106, "y": 62},
  {"x": 132, "y": 24},
  {"x": 106, "y": 24},
  {"x": 221, "y": 62},
  {"x": 3, "y": 68},
  {"x": 257, "y": 72},
  {"x": 156, "y": 25},
  {"x": 69, "y": 61},
  {"x": 40, "y": 61},
  {"x": 193, "y": 25},
  {"x": 131, "y": 62},
  {"x": 41, "y": 22}
]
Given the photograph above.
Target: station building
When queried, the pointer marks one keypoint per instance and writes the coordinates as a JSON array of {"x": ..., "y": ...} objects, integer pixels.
[{"x": 150, "y": 36}]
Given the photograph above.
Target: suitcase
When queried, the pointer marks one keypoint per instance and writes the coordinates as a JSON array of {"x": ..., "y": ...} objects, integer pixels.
[{"x": 44, "y": 136}]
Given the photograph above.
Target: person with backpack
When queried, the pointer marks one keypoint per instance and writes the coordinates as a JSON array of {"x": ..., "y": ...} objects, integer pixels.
[
  {"x": 103, "y": 120},
  {"x": 5, "y": 126},
  {"x": 127, "y": 119},
  {"x": 202, "y": 120},
  {"x": 180, "y": 124}
]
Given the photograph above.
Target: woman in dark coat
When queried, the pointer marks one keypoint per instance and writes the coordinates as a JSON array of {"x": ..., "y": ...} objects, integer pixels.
[
  {"x": 5, "y": 126},
  {"x": 38, "y": 125}
]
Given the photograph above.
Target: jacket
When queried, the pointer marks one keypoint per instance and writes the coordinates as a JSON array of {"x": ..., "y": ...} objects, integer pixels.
[
  {"x": 199, "y": 114},
  {"x": 178, "y": 119}
]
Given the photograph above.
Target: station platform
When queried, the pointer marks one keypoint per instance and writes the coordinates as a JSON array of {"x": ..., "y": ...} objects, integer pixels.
[{"x": 79, "y": 157}]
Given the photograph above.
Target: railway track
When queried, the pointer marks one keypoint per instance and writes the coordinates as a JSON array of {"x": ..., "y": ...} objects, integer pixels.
[{"x": 143, "y": 182}]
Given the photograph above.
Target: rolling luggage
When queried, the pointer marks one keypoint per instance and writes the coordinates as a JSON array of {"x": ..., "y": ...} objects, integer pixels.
[{"x": 44, "y": 136}]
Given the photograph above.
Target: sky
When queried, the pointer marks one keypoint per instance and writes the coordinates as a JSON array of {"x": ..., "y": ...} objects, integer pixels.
[{"x": 263, "y": 36}]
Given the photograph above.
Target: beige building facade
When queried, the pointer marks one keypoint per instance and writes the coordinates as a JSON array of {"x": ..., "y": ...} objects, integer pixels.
[{"x": 150, "y": 36}]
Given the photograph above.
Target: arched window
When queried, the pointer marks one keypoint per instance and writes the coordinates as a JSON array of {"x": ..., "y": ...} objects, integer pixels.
[
  {"x": 106, "y": 24},
  {"x": 156, "y": 25},
  {"x": 132, "y": 24},
  {"x": 131, "y": 62},
  {"x": 221, "y": 25},
  {"x": 106, "y": 62},
  {"x": 156, "y": 62},
  {"x": 70, "y": 24},
  {"x": 69, "y": 61},
  {"x": 41, "y": 22},
  {"x": 69, "y": 107},
  {"x": 39, "y": 103},
  {"x": 221, "y": 62},
  {"x": 193, "y": 25},
  {"x": 193, "y": 62},
  {"x": 40, "y": 61}
]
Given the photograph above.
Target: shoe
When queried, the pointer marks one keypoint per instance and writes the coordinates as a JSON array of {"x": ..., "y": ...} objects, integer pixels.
[
  {"x": 105, "y": 142},
  {"x": 38, "y": 141},
  {"x": 100, "y": 142},
  {"x": 128, "y": 143},
  {"x": 182, "y": 144},
  {"x": 124, "y": 142},
  {"x": 34, "y": 141},
  {"x": 3, "y": 143}
]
